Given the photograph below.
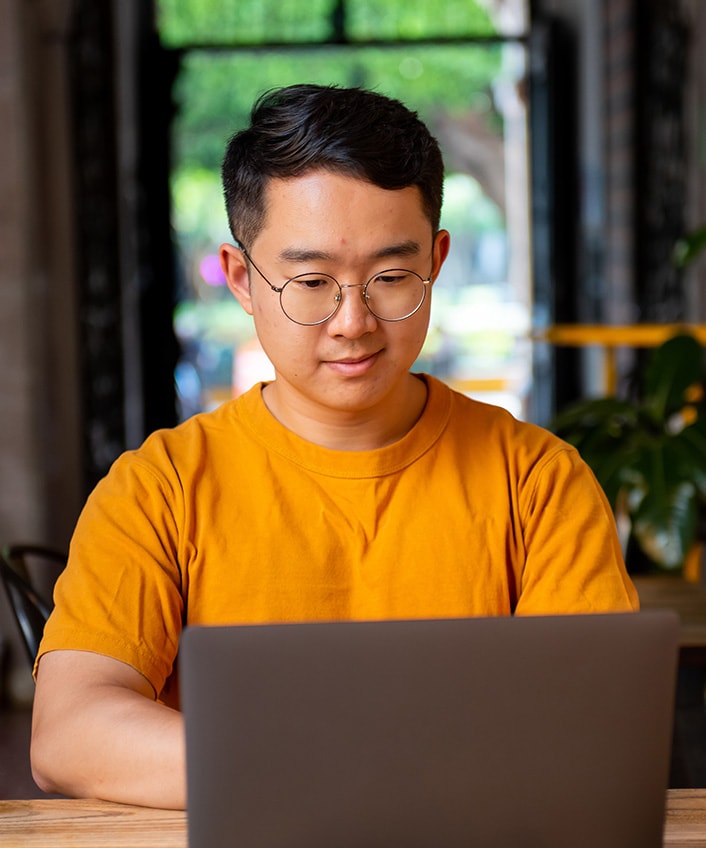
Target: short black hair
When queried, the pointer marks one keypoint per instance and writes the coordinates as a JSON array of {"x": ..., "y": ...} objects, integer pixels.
[{"x": 349, "y": 131}]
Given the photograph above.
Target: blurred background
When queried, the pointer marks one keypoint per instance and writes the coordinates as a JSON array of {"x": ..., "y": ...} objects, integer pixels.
[{"x": 574, "y": 135}]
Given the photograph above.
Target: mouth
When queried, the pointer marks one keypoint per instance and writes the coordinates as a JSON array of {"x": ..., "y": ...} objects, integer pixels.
[{"x": 353, "y": 366}]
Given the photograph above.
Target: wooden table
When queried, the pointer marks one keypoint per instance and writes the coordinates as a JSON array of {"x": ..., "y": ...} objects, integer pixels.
[
  {"x": 686, "y": 818},
  {"x": 88, "y": 824},
  {"x": 99, "y": 824}
]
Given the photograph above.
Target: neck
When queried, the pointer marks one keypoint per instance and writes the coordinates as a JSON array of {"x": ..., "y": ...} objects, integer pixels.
[{"x": 349, "y": 430}]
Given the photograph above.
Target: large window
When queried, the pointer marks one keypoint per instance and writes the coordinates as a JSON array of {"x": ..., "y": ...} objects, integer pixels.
[{"x": 462, "y": 68}]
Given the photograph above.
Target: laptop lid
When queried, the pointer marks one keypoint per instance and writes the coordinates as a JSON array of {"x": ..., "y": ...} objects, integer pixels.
[{"x": 536, "y": 731}]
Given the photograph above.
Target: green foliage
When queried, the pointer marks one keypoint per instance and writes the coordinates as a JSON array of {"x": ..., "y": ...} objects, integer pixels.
[
  {"x": 197, "y": 208},
  {"x": 226, "y": 22},
  {"x": 271, "y": 43},
  {"x": 688, "y": 248},
  {"x": 467, "y": 211},
  {"x": 216, "y": 91},
  {"x": 649, "y": 454},
  {"x": 412, "y": 19}
]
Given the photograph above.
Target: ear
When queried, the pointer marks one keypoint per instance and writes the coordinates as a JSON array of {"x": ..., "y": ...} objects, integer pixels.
[
  {"x": 235, "y": 269},
  {"x": 442, "y": 242}
]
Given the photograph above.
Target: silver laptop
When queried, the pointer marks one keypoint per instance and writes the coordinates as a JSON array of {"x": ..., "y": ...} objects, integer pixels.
[{"x": 540, "y": 732}]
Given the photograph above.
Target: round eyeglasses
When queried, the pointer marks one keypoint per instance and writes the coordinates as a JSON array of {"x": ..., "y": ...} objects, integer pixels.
[{"x": 310, "y": 299}]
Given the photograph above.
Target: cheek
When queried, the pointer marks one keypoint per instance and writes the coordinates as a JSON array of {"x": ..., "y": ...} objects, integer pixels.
[
  {"x": 269, "y": 319},
  {"x": 417, "y": 333},
  {"x": 281, "y": 341}
]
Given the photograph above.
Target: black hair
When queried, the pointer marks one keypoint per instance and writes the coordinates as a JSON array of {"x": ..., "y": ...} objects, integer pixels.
[{"x": 350, "y": 131}]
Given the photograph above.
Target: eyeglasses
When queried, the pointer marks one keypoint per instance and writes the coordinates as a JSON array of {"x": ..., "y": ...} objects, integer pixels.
[{"x": 310, "y": 299}]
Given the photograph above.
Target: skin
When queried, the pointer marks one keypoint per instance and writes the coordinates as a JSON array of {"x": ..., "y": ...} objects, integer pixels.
[
  {"x": 345, "y": 384},
  {"x": 97, "y": 732}
]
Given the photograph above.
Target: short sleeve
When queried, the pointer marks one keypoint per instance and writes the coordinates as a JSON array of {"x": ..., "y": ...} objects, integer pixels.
[
  {"x": 121, "y": 593},
  {"x": 574, "y": 561}
]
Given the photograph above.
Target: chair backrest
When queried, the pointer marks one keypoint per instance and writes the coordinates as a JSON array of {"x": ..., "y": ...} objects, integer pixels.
[{"x": 29, "y": 607}]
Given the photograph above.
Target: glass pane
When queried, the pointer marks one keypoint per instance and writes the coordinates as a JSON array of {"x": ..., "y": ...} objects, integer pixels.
[
  {"x": 225, "y": 22},
  {"x": 216, "y": 91},
  {"x": 472, "y": 99},
  {"x": 248, "y": 22},
  {"x": 368, "y": 20}
]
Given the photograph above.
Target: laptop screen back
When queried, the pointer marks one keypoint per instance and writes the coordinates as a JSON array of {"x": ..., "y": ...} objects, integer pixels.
[{"x": 538, "y": 731}]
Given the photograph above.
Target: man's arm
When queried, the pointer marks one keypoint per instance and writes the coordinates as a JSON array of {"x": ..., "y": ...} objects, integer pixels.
[{"x": 97, "y": 732}]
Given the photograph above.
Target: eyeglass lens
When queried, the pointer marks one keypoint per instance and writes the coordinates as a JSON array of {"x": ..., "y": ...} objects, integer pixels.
[{"x": 390, "y": 295}]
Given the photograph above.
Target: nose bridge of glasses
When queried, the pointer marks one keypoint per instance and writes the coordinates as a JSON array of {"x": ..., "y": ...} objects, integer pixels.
[
  {"x": 361, "y": 286},
  {"x": 363, "y": 293}
]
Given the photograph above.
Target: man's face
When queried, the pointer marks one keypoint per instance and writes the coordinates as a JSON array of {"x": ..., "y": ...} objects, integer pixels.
[{"x": 347, "y": 228}]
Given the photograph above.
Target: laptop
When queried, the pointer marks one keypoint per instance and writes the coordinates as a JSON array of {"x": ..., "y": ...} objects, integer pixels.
[{"x": 538, "y": 732}]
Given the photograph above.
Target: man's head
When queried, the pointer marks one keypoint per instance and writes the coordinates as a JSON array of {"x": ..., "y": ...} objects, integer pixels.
[{"x": 348, "y": 131}]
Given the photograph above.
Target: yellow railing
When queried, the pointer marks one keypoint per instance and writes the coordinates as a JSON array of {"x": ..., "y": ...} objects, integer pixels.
[{"x": 612, "y": 336}]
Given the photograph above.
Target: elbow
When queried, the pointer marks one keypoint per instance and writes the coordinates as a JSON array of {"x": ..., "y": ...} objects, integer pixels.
[
  {"x": 49, "y": 767},
  {"x": 41, "y": 765}
]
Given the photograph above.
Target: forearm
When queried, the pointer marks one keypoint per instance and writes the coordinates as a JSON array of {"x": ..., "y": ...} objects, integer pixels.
[{"x": 108, "y": 742}]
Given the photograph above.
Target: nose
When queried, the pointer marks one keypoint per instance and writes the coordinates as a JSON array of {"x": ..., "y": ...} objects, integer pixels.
[{"x": 353, "y": 318}]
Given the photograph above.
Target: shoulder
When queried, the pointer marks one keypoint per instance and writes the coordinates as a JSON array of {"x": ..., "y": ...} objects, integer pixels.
[
  {"x": 171, "y": 458},
  {"x": 219, "y": 428},
  {"x": 497, "y": 430}
]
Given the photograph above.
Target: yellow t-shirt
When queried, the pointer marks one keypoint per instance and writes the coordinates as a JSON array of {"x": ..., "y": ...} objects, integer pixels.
[{"x": 232, "y": 518}]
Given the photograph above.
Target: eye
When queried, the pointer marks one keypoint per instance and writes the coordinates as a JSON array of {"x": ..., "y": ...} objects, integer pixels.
[
  {"x": 393, "y": 278},
  {"x": 312, "y": 282}
]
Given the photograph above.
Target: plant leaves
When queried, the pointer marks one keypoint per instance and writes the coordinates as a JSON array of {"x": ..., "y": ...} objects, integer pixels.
[
  {"x": 671, "y": 370},
  {"x": 665, "y": 524},
  {"x": 594, "y": 412},
  {"x": 646, "y": 455},
  {"x": 689, "y": 247},
  {"x": 665, "y": 520},
  {"x": 690, "y": 449}
]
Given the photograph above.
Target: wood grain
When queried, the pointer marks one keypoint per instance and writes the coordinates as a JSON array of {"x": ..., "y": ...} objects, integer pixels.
[
  {"x": 60, "y": 823},
  {"x": 686, "y": 818}
]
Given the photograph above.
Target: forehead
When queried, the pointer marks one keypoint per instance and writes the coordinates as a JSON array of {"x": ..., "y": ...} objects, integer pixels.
[{"x": 339, "y": 210}]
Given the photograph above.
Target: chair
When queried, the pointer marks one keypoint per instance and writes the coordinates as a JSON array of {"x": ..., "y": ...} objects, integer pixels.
[{"x": 28, "y": 605}]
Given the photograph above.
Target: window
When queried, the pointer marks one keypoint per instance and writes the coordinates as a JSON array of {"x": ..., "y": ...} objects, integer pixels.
[{"x": 462, "y": 67}]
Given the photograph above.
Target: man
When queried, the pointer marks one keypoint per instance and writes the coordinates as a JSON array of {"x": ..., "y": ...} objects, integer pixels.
[{"x": 347, "y": 488}]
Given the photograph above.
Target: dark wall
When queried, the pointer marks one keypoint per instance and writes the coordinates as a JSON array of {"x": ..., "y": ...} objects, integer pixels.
[
  {"x": 124, "y": 258},
  {"x": 662, "y": 43}
]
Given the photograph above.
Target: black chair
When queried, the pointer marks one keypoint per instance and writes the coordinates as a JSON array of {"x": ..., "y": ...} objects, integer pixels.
[{"x": 29, "y": 606}]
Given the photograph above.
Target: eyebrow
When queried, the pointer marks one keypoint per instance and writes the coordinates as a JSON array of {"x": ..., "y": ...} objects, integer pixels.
[{"x": 303, "y": 254}]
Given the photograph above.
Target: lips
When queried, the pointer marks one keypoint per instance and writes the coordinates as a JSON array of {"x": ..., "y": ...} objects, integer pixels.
[
  {"x": 352, "y": 360},
  {"x": 354, "y": 366}
]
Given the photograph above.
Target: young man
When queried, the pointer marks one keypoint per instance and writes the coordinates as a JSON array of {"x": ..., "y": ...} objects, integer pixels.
[{"x": 347, "y": 488}]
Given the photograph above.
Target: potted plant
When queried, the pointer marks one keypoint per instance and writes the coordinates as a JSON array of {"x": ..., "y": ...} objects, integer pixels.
[{"x": 648, "y": 452}]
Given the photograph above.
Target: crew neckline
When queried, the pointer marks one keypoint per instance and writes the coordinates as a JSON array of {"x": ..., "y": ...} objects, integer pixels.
[{"x": 254, "y": 415}]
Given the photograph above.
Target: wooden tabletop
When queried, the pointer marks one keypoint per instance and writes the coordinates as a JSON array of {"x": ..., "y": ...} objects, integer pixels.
[
  {"x": 686, "y": 818},
  {"x": 99, "y": 824},
  {"x": 60, "y": 823}
]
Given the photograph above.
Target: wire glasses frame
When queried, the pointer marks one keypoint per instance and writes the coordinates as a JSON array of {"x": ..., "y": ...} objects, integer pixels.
[{"x": 314, "y": 290}]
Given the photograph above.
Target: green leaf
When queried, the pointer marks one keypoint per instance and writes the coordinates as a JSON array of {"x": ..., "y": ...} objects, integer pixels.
[
  {"x": 689, "y": 247},
  {"x": 692, "y": 444},
  {"x": 671, "y": 370},
  {"x": 594, "y": 412},
  {"x": 665, "y": 524},
  {"x": 646, "y": 456}
]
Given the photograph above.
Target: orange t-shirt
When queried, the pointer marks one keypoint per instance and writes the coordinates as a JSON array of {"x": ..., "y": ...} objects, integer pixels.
[{"x": 232, "y": 518}]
